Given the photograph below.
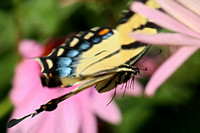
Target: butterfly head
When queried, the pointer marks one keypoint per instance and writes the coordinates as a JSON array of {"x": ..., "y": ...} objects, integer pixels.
[
  {"x": 129, "y": 70},
  {"x": 136, "y": 71}
]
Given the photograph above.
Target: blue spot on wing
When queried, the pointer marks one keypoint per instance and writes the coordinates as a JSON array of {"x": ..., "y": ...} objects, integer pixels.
[
  {"x": 96, "y": 40},
  {"x": 64, "y": 61},
  {"x": 107, "y": 35},
  {"x": 85, "y": 45},
  {"x": 72, "y": 53},
  {"x": 64, "y": 71}
]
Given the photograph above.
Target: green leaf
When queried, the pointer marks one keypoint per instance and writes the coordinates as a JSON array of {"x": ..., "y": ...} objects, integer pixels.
[
  {"x": 40, "y": 19},
  {"x": 5, "y": 106},
  {"x": 8, "y": 32}
]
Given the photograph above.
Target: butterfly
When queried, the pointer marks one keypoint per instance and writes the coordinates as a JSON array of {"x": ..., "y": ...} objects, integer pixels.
[{"x": 100, "y": 57}]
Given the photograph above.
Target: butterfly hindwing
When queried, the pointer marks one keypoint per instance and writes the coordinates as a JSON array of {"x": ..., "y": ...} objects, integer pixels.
[{"x": 109, "y": 84}]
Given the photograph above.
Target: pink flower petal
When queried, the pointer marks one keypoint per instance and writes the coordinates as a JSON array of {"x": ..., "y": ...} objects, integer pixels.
[
  {"x": 168, "y": 68},
  {"x": 88, "y": 123},
  {"x": 162, "y": 19},
  {"x": 63, "y": 119},
  {"x": 29, "y": 48},
  {"x": 28, "y": 125},
  {"x": 150, "y": 63},
  {"x": 67, "y": 117},
  {"x": 181, "y": 13},
  {"x": 25, "y": 72},
  {"x": 108, "y": 113},
  {"x": 173, "y": 39},
  {"x": 193, "y": 5}
]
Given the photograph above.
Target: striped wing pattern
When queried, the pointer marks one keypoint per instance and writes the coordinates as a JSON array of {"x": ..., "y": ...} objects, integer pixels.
[
  {"x": 84, "y": 55},
  {"x": 131, "y": 50}
]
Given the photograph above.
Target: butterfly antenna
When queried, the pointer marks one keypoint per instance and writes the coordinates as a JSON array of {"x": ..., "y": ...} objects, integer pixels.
[{"x": 143, "y": 69}]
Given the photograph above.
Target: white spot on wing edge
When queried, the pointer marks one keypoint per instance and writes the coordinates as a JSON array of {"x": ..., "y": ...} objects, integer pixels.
[
  {"x": 73, "y": 42},
  {"x": 50, "y": 63},
  {"x": 40, "y": 62},
  {"x": 80, "y": 34},
  {"x": 95, "y": 29},
  {"x": 89, "y": 35},
  {"x": 60, "y": 51}
]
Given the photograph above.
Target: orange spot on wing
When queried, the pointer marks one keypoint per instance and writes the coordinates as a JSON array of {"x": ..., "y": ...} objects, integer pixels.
[
  {"x": 103, "y": 32},
  {"x": 50, "y": 75}
]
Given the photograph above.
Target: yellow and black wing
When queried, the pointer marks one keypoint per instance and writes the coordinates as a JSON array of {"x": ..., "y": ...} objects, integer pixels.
[
  {"x": 83, "y": 57},
  {"x": 131, "y": 50}
]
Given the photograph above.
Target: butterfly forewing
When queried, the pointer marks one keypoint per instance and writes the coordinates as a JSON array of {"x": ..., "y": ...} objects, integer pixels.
[
  {"x": 131, "y": 50},
  {"x": 83, "y": 56}
]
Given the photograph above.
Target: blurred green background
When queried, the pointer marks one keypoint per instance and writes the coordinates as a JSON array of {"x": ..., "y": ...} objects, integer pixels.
[{"x": 174, "y": 109}]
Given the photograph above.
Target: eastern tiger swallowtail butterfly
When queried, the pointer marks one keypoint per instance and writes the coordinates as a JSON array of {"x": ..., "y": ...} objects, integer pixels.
[{"x": 101, "y": 56}]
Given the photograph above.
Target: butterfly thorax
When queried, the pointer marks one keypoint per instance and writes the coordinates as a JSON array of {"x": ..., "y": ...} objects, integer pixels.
[{"x": 126, "y": 72}]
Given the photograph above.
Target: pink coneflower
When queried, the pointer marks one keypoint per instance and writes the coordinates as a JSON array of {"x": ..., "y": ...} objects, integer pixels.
[
  {"x": 180, "y": 16},
  {"x": 77, "y": 114}
]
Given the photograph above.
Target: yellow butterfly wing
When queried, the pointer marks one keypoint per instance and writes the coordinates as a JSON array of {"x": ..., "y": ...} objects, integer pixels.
[
  {"x": 131, "y": 50},
  {"x": 83, "y": 57},
  {"x": 102, "y": 56}
]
